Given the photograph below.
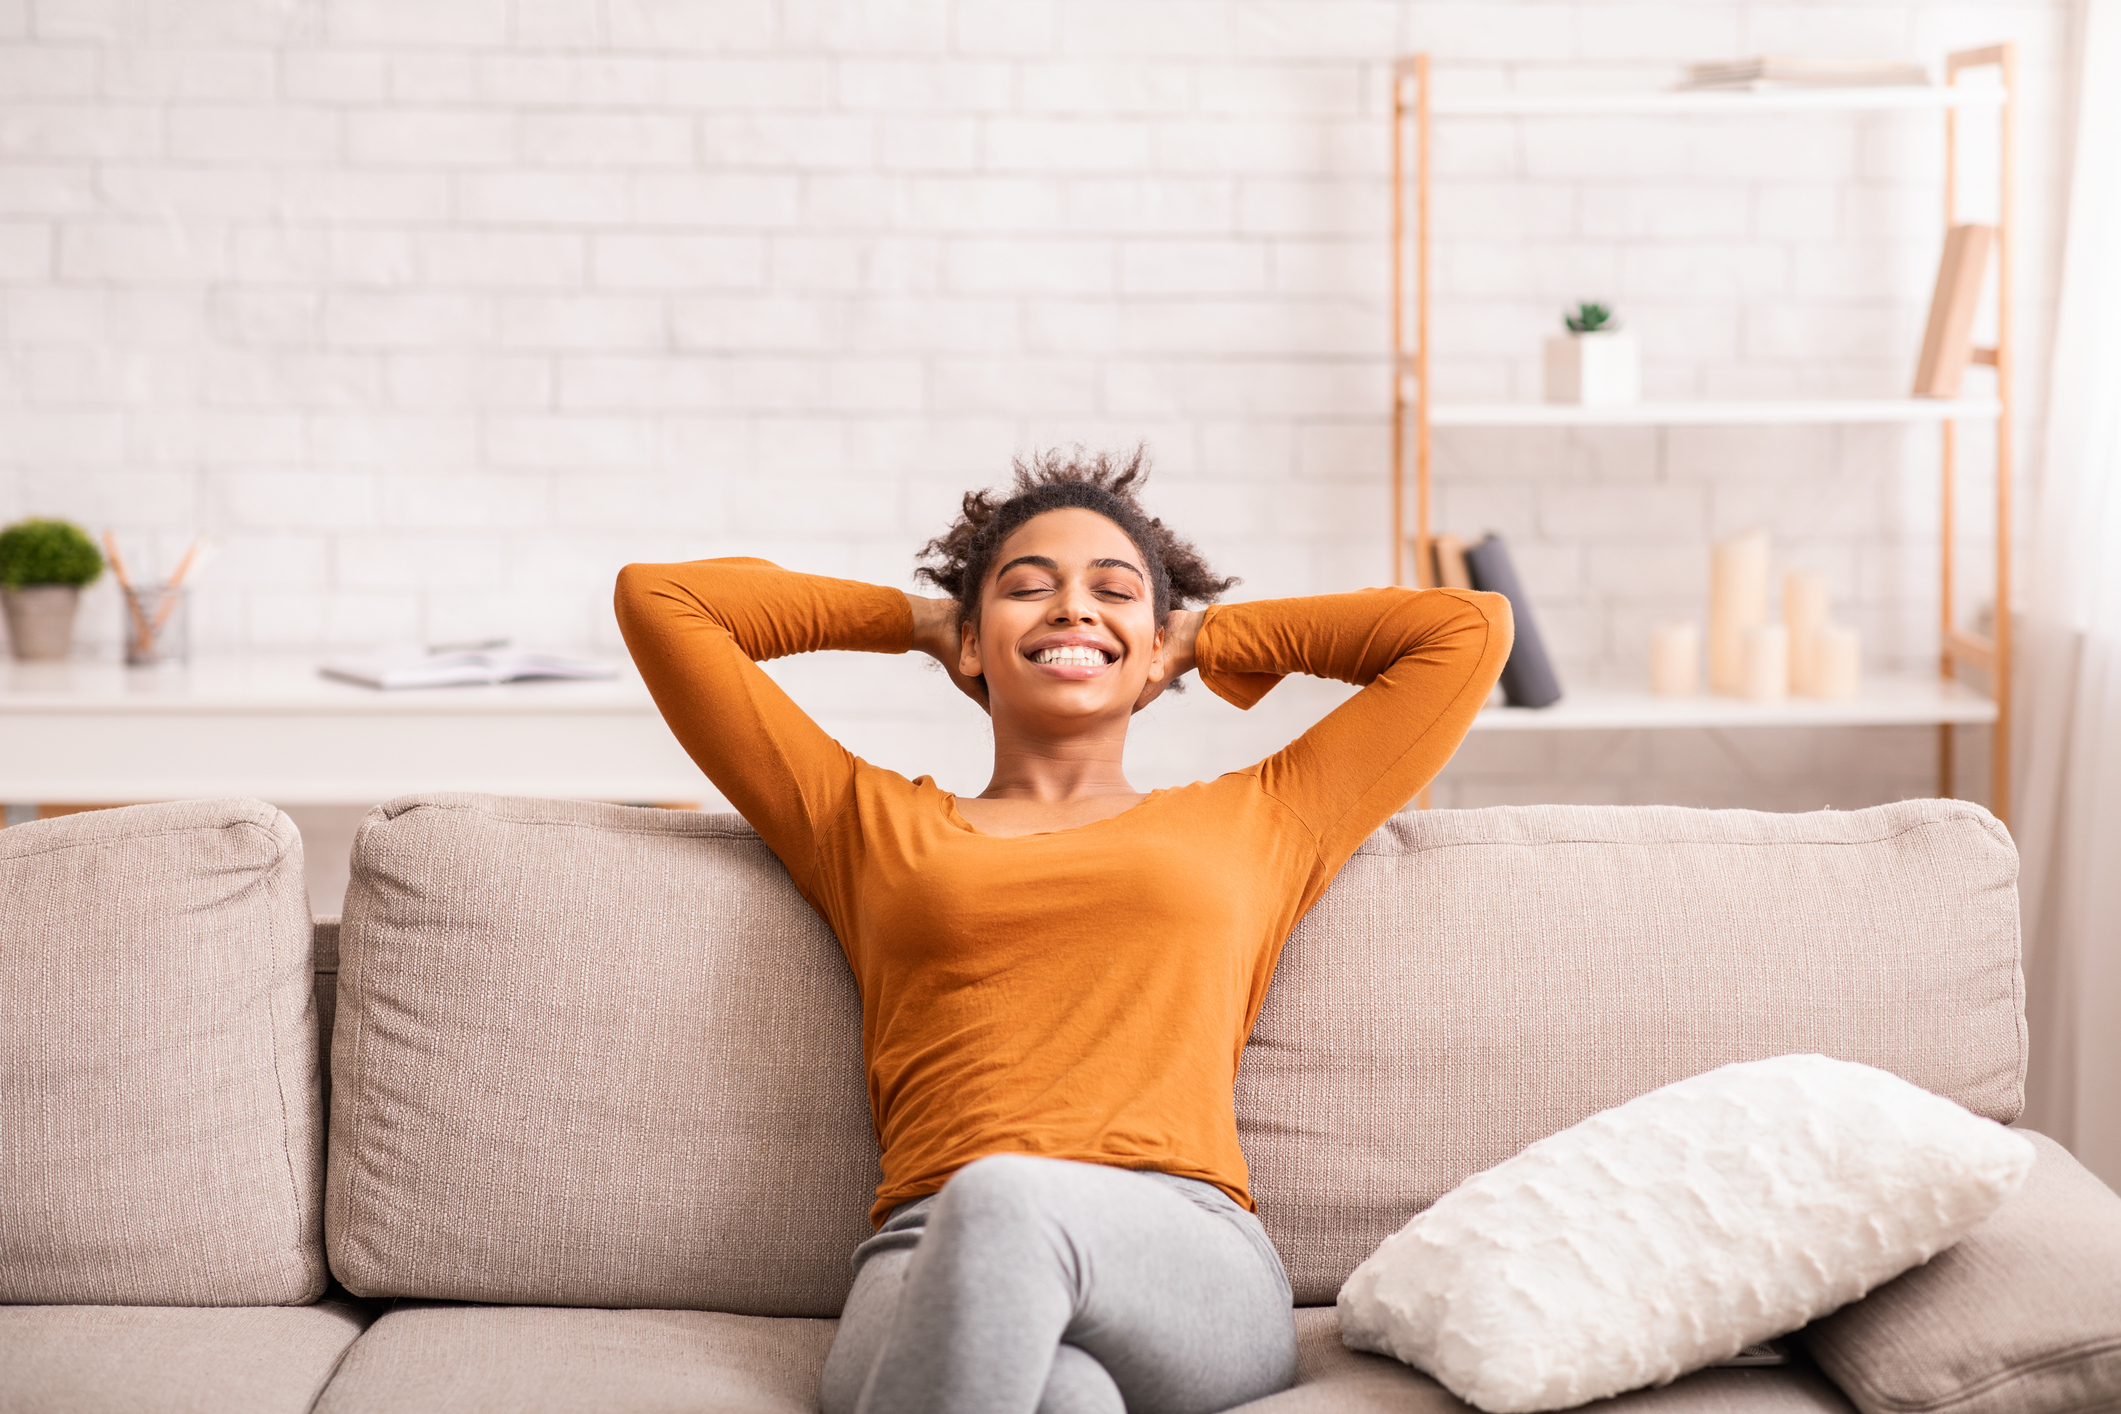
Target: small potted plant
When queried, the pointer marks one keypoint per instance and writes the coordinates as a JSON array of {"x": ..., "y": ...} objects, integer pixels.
[
  {"x": 43, "y": 564},
  {"x": 1595, "y": 362}
]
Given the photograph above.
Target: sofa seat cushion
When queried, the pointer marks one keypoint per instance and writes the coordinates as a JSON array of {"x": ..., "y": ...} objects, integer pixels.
[
  {"x": 161, "y": 1136},
  {"x": 587, "y": 1055},
  {"x": 450, "y": 1359},
  {"x": 171, "y": 1359},
  {"x": 1476, "y": 980},
  {"x": 442, "y": 1358},
  {"x": 1332, "y": 1379}
]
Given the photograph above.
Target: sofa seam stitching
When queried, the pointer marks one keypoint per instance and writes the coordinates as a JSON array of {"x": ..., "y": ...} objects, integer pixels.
[
  {"x": 287, "y": 1148},
  {"x": 59, "y": 845},
  {"x": 1744, "y": 844},
  {"x": 712, "y": 831},
  {"x": 2097, "y": 1345}
]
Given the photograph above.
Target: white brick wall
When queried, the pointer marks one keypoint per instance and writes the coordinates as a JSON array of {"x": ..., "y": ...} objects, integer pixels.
[{"x": 436, "y": 314}]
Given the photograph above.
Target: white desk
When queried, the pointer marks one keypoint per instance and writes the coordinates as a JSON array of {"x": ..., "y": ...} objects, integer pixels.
[{"x": 98, "y": 733}]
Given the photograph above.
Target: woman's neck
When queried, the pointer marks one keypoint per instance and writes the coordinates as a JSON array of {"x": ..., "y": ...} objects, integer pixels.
[{"x": 1053, "y": 770}]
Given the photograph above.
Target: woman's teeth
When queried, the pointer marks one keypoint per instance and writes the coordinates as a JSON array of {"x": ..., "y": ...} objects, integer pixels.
[{"x": 1070, "y": 657}]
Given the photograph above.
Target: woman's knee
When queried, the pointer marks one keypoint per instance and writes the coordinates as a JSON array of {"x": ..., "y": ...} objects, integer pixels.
[{"x": 1079, "y": 1385}]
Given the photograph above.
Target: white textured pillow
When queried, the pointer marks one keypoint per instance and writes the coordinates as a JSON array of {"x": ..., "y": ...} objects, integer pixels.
[{"x": 1675, "y": 1230}]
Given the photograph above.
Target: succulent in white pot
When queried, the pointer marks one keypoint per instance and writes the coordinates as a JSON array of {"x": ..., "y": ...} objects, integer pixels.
[
  {"x": 43, "y": 565},
  {"x": 1596, "y": 362}
]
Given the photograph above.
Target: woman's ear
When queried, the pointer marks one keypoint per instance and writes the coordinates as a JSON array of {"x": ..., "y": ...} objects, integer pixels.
[
  {"x": 1157, "y": 660},
  {"x": 968, "y": 663}
]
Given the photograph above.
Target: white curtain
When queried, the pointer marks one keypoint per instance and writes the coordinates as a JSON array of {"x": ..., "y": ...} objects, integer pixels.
[{"x": 2068, "y": 804}]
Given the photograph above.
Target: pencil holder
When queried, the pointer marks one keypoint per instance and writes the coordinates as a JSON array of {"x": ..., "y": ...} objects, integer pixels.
[{"x": 156, "y": 627}]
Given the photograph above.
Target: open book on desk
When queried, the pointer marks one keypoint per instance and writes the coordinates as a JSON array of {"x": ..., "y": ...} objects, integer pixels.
[{"x": 461, "y": 665}]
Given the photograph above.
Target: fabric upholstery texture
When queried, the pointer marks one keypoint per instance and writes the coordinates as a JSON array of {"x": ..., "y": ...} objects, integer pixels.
[
  {"x": 1477, "y": 980},
  {"x": 549, "y": 1360},
  {"x": 589, "y": 1055},
  {"x": 1331, "y": 1379},
  {"x": 1673, "y": 1231},
  {"x": 2023, "y": 1316},
  {"x": 161, "y": 1132},
  {"x": 171, "y": 1359}
]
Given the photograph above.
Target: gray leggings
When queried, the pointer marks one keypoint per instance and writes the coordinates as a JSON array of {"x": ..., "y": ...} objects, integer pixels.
[{"x": 1037, "y": 1284}]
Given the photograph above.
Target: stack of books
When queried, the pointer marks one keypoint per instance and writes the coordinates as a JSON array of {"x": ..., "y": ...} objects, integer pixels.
[
  {"x": 1528, "y": 678},
  {"x": 461, "y": 665},
  {"x": 1779, "y": 73}
]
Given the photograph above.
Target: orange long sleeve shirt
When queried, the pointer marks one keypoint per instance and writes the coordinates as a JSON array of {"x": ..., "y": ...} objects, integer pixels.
[{"x": 1086, "y": 993}]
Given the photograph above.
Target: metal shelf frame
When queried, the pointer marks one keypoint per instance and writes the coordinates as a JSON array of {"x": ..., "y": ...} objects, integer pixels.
[{"x": 1415, "y": 107}]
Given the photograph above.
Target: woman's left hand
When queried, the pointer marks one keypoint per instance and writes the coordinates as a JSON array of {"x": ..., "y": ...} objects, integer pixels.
[{"x": 1179, "y": 633}]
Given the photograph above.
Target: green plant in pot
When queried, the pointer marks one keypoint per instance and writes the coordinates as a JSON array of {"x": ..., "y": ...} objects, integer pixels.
[{"x": 43, "y": 564}]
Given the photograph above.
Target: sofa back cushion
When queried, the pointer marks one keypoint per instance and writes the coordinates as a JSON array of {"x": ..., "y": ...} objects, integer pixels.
[
  {"x": 161, "y": 1132},
  {"x": 1476, "y": 980},
  {"x": 588, "y": 1055}
]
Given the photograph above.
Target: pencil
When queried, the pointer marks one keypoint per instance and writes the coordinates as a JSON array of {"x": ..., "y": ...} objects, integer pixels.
[
  {"x": 142, "y": 634},
  {"x": 168, "y": 605}
]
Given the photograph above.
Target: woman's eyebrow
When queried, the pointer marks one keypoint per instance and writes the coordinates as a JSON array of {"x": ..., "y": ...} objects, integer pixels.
[
  {"x": 1120, "y": 565},
  {"x": 1039, "y": 560}
]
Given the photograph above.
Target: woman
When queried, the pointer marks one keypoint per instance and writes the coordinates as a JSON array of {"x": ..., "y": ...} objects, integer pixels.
[{"x": 1058, "y": 976}]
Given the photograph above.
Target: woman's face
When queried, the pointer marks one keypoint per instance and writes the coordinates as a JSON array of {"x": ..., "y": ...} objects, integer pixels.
[{"x": 1067, "y": 631}]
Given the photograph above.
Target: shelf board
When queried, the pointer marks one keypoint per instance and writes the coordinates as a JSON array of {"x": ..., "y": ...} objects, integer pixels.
[
  {"x": 290, "y": 685},
  {"x": 1905, "y": 97},
  {"x": 1886, "y": 701},
  {"x": 1718, "y": 413}
]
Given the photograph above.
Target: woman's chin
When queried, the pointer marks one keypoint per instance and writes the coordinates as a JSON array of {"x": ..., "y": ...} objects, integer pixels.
[{"x": 1087, "y": 698}]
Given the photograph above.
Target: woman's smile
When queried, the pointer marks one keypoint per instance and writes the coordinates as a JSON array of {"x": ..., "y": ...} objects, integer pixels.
[{"x": 1076, "y": 656}]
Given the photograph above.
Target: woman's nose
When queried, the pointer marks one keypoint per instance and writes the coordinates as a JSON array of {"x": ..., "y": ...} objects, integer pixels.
[{"x": 1074, "y": 606}]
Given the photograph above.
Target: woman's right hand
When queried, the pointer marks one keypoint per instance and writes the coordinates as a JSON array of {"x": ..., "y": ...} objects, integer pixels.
[{"x": 935, "y": 632}]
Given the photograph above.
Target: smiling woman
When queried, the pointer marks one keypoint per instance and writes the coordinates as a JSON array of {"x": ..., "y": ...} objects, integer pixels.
[{"x": 1058, "y": 976}]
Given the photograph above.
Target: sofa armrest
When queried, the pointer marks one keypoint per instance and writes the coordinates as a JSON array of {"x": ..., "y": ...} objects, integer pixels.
[{"x": 2022, "y": 1316}]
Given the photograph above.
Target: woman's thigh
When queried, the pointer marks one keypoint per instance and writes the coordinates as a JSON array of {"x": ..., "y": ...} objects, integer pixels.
[
  {"x": 1169, "y": 1285},
  {"x": 1180, "y": 1296}
]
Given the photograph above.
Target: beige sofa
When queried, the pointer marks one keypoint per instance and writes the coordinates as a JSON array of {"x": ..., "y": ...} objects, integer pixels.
[{"x": 598, "y": 1137}]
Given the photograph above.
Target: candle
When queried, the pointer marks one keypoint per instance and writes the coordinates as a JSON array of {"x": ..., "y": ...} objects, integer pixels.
[
  {"x": 1804, "y": 614},
  {"x": 1840, "y": 662},
  {"x": 1738, "y": 595},
  {"x": 1766, "y": 667},
  {"x": 1675, "y": 658}
]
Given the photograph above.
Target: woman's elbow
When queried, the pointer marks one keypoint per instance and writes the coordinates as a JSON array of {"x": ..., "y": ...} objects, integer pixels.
[
  {"x": 1494, "y": 609},
  {"x": 1487, "y": 625},
  {"x": 637, "y": 594}
]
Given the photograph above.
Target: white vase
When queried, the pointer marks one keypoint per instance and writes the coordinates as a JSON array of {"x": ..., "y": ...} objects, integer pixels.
[
  {"x": 40, "y": 620},
  {"x": 1601, "y": 367}
]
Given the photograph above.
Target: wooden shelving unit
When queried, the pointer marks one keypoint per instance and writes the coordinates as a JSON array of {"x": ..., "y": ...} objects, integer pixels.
[
  {"x": 1715, "y": 413},
  {"x": 1942, "y": 701}
]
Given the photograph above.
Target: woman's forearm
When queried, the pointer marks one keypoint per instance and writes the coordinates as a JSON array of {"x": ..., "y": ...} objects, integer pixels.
[
  {"x": 698, "y": 631},
  {"x": 1425, "y": 661}
]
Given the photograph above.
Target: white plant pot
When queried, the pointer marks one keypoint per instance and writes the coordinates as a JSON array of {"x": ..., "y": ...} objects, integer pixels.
[
  {"x": 40, "y": 620},
  {"x": 1591, "y": 369}
]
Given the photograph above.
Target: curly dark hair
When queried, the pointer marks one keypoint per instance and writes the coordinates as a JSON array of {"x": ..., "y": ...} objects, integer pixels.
[{"x": 1108, "y": 483}]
